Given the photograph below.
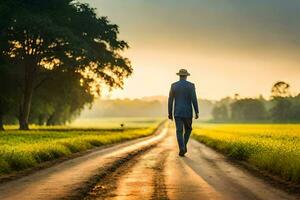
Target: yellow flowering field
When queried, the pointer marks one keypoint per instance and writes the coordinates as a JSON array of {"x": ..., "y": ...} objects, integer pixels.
[{"x": 271, "y": 147}]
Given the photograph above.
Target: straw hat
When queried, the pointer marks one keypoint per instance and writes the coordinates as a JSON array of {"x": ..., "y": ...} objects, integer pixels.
[{"x": 183, "y": 72}]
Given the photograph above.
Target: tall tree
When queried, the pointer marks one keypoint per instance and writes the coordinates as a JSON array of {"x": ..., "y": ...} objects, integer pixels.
[
  {"x": 281, "y": 89},
  {"x": 282, "y": 100},
  {"x": 60, "y": 35}
]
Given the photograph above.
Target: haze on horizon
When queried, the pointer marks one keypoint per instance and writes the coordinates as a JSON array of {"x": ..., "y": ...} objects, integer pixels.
[{"x": 229, "y": 46}]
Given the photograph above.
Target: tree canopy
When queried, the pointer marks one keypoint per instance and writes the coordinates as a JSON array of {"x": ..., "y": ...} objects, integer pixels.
[
  {"x": 281, "y": 89},
  {"x": 58, "y": 42}
]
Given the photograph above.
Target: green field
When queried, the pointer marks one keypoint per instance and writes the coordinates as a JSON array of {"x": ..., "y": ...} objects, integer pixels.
[
  {"x": 274, "y": 148},
  {"x": 21, "y": 150}
]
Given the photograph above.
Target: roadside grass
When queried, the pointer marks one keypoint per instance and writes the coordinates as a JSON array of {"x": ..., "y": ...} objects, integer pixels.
[
  {"x": 271, "y": 147},
  {"x": 21, "y": 150}
]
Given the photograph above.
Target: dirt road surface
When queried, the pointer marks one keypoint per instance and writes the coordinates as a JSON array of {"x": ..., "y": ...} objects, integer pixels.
[
  {"x": 203, "y": 174},
  {"x": 68, "y": 178}
]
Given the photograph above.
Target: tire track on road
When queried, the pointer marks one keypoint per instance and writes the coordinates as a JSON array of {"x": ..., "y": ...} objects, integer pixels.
[
  {"x": 140, "y": 178},
  {"x": 160, "y": 190}
]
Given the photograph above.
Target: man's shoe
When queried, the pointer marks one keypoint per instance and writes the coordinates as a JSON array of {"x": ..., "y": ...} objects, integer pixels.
[{"x": 181, "y": 154}]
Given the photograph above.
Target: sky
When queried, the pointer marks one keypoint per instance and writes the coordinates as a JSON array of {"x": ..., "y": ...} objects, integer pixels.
[{"x": 229, "y": 46}]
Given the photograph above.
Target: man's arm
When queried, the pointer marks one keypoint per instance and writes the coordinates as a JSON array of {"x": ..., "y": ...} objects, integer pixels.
[
  {"x": 170, "y": 103},
  {"x": 195, "y": 102}
]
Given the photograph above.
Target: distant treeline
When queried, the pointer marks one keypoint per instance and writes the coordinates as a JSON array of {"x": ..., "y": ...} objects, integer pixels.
[
  {"x": 145, "y": 107},
  {"x": 282, "y": 107}
]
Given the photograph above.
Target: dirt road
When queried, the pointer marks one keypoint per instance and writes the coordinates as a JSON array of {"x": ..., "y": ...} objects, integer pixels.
[
  {"x": 68, "y": 179},
  {"x": 202, "y": 174}
]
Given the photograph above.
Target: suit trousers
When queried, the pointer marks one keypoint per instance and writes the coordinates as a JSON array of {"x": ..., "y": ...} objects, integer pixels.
[{"x": 183, "y": 131}]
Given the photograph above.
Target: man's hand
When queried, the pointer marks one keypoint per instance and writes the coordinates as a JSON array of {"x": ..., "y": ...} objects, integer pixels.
[
  {"x": 170, "y": 117},
  {"x": 197, "y": 116}
]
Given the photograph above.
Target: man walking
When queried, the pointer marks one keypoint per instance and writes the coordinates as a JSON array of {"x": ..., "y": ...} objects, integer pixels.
[{"x": 184, "y": 95}]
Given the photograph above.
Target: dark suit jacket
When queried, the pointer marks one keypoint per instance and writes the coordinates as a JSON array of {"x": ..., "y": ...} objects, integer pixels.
[{"x": 184, "y": 95}]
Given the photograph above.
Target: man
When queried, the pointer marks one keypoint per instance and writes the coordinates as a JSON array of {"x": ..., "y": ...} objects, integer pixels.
[{"x": 184, "y": 95}]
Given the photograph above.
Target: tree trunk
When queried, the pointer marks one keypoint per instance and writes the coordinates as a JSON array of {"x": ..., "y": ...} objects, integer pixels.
[
  {"x": 50, "y": 120},
  {"x": 41, "y": 120},
  {"x": 27, "y": 98},
  {"x": 25, "y": 109},
  {"x": 1, "y": 123}
]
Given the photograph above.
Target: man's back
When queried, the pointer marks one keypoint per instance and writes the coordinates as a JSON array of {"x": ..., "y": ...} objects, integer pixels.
[{"x": 184, "y": 95}]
